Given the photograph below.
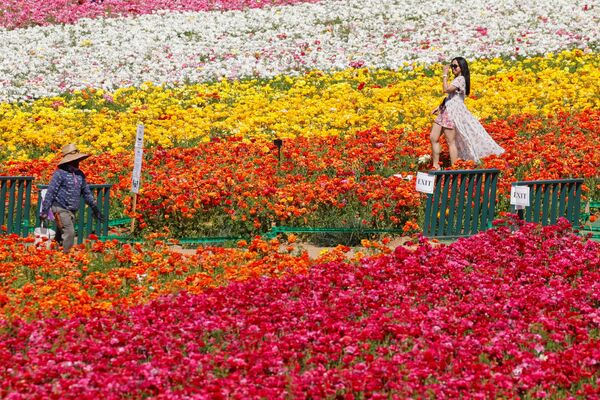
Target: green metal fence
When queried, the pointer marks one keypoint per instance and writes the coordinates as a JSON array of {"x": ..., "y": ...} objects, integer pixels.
[
  {"x": 590, "y": 227},
  {"x": 86, "y": 224},
  {"x": 551, "y": 200},
  {"x": 463, "y": 203},
  {"x": 15, "y": 204}
]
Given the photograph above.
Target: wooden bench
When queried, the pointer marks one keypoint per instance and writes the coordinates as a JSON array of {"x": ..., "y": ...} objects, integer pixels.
[
  {"x": 86, "y": 224},
  {"x": 552, "y": 199},
  {"x": 15, "y": 204},
  {"x": 463, "y": 203}
]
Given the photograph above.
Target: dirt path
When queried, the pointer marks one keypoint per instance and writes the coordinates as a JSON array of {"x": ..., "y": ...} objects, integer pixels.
[{"x": 313, "y": 251}]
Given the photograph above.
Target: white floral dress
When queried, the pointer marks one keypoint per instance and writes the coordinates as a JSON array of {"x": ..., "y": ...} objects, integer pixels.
[{"x": 472, "y": 141}]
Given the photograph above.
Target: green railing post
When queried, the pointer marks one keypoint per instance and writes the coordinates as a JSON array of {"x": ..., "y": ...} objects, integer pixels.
[
  {"x": 461, "y": 203},
  {"x": 444, "y": 199},
  {"x": 491, "y": 204},
  {"x": 484, "y": 216},
  {"x": 577, "y": 203},
  {"x": 452, "y": 207},
  {"x": 468, "y": 208},
  {"x": 4, "y": 182},
  {"x": 27, "y": 208},
  {"x": 11, "y": 207},
  {"x": 545, "y": 206}
]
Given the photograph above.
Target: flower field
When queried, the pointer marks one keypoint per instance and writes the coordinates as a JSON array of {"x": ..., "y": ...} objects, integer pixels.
[
  {"x": 348, "y": 87},
  {"x": 432, "y": 323},
  {"x": 314, "y": 105},
  {"x": 109, "y": 275},
  {"x": 235, "y": 187}
]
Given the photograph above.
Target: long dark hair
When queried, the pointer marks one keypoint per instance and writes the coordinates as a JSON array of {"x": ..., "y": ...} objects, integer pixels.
[{"x": 464, "y": 71}]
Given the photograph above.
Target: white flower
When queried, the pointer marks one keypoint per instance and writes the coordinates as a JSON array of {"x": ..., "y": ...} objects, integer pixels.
[
  {"x": 171, "y": 47},
  {"x": 518, "y": 370},
  {"x": 424, "y": 159}
]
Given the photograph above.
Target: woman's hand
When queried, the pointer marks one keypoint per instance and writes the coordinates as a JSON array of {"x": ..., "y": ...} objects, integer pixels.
[{"x": 446, "y": 69}]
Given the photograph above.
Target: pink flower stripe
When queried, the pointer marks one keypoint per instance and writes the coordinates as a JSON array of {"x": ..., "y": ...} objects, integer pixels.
[
  {"x": 504, "y": 314},
  {"x": 25, "y": 13}
]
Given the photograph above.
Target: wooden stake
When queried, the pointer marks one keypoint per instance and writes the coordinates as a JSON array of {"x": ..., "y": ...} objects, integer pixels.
[{"x": 133, "y": 208}]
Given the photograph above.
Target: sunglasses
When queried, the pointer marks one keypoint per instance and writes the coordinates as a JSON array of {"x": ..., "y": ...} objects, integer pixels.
[{"x": 453, "y": 66}]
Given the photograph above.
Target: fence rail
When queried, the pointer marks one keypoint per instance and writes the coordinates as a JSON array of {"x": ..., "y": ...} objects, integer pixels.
[{"x": 15, "y": 204}]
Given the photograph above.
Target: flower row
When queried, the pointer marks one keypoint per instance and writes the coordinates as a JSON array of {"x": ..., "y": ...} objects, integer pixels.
[
  {"x": 315, "y": 104},
  {"x": 503, "y": 314},
  {"x": 27, "y": 13},
  {"x": 101, "y": 276},
  {"x": 233, "y": 187},
  {"x": 175, "y": 47}
]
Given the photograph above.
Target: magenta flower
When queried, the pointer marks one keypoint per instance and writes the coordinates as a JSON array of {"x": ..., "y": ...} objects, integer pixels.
[
  {"x": 24, "y": 13},
  {"x": 503, "y": 314}
]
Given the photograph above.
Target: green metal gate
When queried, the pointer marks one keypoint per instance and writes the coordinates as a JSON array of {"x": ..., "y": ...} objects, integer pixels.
[
  {"x": 552, "y": 199},
  {"x": 463, "y": 203}
]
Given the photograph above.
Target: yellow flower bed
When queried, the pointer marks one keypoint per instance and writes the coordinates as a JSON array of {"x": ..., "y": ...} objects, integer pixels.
[{"x": 316, "y": 104}]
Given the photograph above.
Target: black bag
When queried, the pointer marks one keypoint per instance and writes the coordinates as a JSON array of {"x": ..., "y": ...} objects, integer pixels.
[{"x": 442, "y": 105}]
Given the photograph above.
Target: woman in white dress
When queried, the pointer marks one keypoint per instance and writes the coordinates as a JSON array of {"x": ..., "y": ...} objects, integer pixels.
[{"x": 466, "y": 137}]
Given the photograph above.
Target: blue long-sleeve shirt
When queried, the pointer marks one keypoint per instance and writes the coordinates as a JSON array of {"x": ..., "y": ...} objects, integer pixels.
[{"x": 66, "y": 187}]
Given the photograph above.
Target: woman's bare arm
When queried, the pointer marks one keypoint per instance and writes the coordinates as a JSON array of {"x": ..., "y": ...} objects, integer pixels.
[{"x": 446, "y": 87}]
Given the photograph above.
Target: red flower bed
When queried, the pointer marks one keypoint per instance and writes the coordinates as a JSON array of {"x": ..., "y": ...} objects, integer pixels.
[{"x": 503, "y": 314}]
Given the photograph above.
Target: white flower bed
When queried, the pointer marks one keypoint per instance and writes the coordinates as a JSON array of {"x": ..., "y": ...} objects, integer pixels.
[{"x": 179, "y": 47}]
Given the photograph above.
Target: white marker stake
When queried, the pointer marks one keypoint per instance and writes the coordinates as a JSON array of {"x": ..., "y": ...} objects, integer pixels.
[
  {"x": 136, "y": 176},
  {"x": 137, "y": 163}
]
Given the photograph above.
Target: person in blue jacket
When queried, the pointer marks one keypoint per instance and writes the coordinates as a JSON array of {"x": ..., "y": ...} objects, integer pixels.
[{"x": 67, "y": 186}]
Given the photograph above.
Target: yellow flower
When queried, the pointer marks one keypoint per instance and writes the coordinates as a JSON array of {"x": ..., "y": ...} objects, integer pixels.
[{"x": 315, "y": 104}]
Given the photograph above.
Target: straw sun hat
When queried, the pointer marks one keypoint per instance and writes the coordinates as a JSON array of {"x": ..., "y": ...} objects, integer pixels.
[{"x": 71, "y": 153}]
